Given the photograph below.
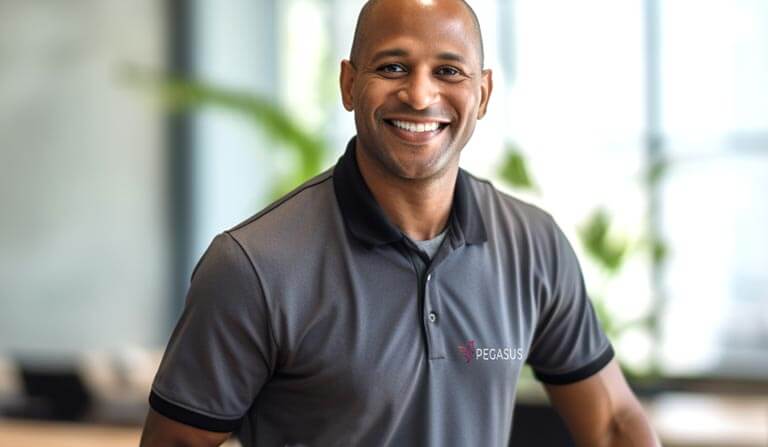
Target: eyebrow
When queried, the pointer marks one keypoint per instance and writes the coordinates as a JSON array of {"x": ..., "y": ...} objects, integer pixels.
[
  {"x": 393, "y": 52},
  {"x": 448, "y": 56},
  {"x": 399, "y": 52}
]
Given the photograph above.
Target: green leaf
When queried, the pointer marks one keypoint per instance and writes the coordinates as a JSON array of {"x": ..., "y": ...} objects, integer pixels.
[
  {"x": 659, "y": 252},
  {"x": 184, "y": 95},
  {"x": 656, "y": 171},
  {"x": 608, "y": 252},
  {"x": 514, "y": 170}
]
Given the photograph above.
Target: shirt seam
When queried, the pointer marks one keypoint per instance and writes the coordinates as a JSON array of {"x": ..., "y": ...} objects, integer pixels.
[
  {"x": 281, "y": 202},
  {"x": 549, "y": 280},
  {"x": 270, "y": 323}
]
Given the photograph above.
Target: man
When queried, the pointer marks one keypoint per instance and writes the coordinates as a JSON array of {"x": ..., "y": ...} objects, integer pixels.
[{"x": 393, "y": 299}]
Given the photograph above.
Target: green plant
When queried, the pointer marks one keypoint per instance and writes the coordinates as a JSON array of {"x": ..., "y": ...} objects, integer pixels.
[
  {"x": 180, "y": 94},
  {"x": 514, "y": 170}
]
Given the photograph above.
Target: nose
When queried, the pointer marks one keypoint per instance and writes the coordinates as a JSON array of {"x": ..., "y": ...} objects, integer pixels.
[{"x": 419, "y": 91}]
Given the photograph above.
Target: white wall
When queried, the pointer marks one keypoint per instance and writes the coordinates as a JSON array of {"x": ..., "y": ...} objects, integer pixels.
[{"x": 83, "y": 241}]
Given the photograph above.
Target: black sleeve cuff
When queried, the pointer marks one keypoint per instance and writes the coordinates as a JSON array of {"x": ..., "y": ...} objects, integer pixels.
[
  {"x": 577, "y": 374},
  {"x": 188, "y": 417}
]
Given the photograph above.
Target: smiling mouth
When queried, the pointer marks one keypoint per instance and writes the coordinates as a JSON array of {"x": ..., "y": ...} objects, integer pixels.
[
  {"x": 414, "y": 133},
  {"x": 417, "y": 128}
]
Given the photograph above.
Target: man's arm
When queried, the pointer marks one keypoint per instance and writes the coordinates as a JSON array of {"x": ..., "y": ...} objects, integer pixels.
[
  {"x": 160, "y": 431},
  {"x": 601, "y": 410}
]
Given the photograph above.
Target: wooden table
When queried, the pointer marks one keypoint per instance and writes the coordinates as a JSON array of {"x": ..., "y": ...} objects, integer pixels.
[{"x": 45, "y": 434}]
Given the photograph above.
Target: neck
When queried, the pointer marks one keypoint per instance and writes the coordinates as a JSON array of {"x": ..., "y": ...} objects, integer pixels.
[{"x": 419, "y": 208}]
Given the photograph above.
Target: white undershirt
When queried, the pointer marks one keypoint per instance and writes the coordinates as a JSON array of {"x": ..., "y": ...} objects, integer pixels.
[{"x": 431, "y": 246}]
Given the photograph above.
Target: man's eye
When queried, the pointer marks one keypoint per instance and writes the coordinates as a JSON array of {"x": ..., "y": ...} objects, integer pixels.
[
  {"x": 391, "y": 68},
  {"x": 448, "y": 71}
]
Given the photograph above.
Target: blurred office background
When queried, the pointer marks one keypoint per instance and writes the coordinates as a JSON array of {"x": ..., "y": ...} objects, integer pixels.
[{"x": 132, "y": 132}]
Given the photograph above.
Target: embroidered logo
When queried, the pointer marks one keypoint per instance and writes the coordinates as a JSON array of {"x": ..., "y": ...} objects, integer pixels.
[{"x": 468, "y": 350}]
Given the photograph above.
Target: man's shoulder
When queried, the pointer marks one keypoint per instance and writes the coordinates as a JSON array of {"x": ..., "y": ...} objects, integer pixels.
[
  {"x": 305, "y": 209},
  {"x": 522, "y": 228},
  {"x": 503, "y": 208}
]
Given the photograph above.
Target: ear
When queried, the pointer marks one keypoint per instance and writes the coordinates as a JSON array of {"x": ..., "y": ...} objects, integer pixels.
[
  {"x": 486, "y": 87},
  {"x": 346, "y": 81}
]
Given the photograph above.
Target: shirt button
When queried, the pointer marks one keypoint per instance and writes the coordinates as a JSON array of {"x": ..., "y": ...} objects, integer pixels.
[
  {"x": 432, "y": 317},
  {"x": 429, "y": 277}
]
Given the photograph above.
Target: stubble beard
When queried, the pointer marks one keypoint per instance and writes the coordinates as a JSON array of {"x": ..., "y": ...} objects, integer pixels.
[{"x": 405, "y": 170}]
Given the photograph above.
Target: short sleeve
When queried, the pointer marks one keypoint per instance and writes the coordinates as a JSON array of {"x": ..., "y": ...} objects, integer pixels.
[
  {"x": 569, "y": 344},
  {"x": 221, "y": 351}
]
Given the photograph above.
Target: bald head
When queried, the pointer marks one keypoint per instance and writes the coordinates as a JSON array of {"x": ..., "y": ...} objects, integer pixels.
[{"x": 368, "y": 14}]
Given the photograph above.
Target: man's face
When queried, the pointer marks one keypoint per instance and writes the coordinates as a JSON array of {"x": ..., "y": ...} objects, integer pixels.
[{"x": 417, "y": 87}]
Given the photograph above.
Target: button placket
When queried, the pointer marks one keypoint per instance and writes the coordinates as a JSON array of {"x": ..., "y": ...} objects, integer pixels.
[
  {"x": 431, "y": 316},
  {"x": 429, "y": 299},
  {"x": 432, "y": 307}
]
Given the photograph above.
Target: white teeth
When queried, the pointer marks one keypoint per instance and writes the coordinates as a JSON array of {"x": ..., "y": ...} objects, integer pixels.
[{"x": 416, "y": 127}]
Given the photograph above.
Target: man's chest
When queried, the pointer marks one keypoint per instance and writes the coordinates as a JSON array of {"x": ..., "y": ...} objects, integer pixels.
[{"x": 369, "y": 329}]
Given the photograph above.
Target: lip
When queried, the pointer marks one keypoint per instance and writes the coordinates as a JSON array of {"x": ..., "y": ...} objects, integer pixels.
[
  {"x": 420, "y": 120},
  {"x": 415, "y": 137}
]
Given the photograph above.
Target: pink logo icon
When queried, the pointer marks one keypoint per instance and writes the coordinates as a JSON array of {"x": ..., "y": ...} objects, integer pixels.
[{"x": 468, "y": 350}]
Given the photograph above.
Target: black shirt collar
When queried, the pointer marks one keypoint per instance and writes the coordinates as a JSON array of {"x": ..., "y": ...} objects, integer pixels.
[{"x": 367, "y": 221}]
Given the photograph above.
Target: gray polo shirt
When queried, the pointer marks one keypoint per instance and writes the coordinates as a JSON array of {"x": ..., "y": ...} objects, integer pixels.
[{"x": 318, "y": 323}]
